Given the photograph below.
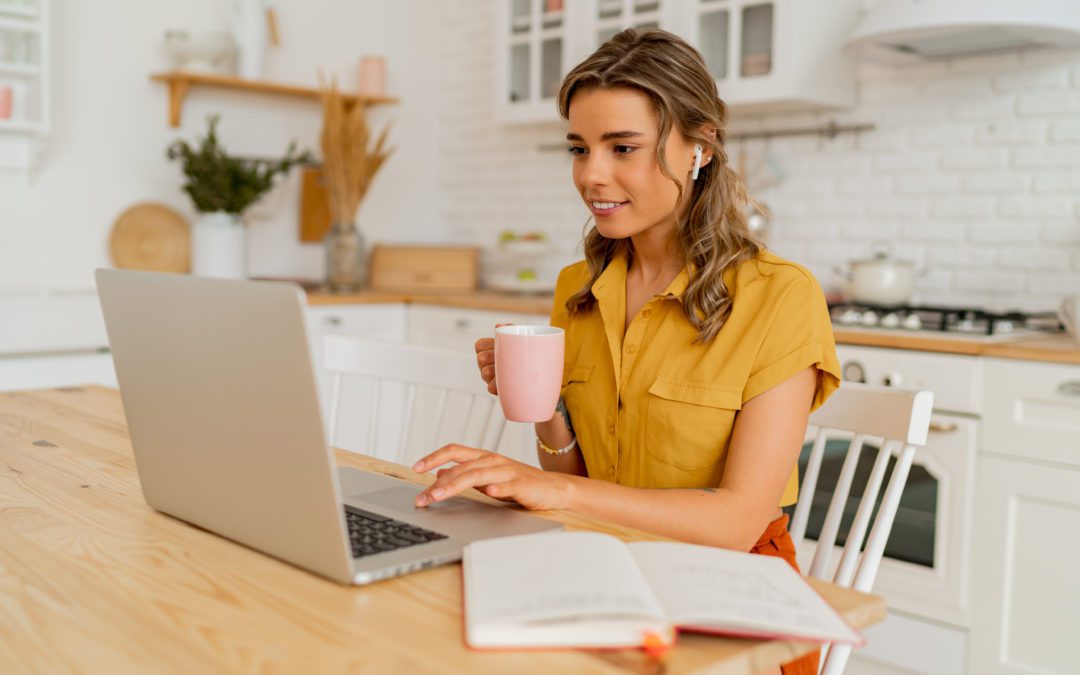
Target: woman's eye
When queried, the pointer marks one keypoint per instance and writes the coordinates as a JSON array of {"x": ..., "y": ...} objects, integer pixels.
[
  {"x": 624, "y": 149},
  {"x": 576, "y": 150}
]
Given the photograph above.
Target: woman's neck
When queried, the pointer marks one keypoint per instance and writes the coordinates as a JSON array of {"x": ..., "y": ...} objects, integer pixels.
[{"x": 654, "y": 261}]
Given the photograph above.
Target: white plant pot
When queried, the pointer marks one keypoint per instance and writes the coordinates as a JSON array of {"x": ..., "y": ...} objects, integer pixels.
[{"x": 219, "y": 246}]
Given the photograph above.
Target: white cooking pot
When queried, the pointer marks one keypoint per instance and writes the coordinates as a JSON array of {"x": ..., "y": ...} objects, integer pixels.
[{"x": 881, "y": 280}]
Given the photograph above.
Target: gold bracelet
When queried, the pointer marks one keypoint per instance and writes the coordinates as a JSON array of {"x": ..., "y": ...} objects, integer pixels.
[{"x": 553, "y": 451}]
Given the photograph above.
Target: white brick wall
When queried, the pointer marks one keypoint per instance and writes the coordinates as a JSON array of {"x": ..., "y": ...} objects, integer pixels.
[{"x": 973, "y": 171}]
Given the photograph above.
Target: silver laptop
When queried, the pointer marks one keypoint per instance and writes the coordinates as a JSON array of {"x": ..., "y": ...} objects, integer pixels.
[{"x": 220, "y": 398}]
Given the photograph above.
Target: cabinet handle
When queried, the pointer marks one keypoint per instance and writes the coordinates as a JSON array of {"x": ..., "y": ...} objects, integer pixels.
[
  {"x": 1071, "y": 388},
  {"x": 332, "y": 321},
  {"x": 943, "y": 427}
]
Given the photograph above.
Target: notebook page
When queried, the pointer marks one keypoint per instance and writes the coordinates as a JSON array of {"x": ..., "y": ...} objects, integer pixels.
[
  {"x": 545, "y": 577},
  {"x": 717, "y": 589}
]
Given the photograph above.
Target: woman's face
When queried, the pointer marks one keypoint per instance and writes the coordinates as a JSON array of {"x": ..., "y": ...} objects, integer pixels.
[{"x": 613, "y": 138}]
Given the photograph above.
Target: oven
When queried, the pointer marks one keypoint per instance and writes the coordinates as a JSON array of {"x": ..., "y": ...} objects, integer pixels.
[{"x": 925, "y": 565}]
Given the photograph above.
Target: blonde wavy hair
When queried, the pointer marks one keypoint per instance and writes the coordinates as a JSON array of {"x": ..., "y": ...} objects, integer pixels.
[{"x": 711, "y": 234}]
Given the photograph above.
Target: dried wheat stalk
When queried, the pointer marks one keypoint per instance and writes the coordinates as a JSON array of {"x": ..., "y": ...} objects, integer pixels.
[{"x": 348, "y": 164}]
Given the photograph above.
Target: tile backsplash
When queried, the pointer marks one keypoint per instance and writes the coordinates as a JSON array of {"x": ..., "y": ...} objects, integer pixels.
[{"x": 972, "y": 171}]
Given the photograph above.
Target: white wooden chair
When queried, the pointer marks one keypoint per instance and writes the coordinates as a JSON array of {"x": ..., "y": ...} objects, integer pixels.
[
  {"x": 899, "y": 420},
  {"x": 444, "y": 398}
]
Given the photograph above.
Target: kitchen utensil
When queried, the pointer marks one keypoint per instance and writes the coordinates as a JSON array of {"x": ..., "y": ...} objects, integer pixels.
[
  {"x": 1069, "y": 313},
  {"x": 426, "y": 269},
  {"x": 315, "y": 215},
  {"x": 151, "y": 236},
  {"x": 880, "y": 280}
]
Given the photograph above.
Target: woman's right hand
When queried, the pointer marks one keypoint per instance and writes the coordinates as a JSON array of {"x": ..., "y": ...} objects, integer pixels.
[{"x": 485, "y": 359}]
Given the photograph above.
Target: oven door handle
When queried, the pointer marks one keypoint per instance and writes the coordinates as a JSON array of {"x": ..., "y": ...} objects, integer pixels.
[
  {"x": 1071, "y": 388},
  {"x": 943, "y": 427}
]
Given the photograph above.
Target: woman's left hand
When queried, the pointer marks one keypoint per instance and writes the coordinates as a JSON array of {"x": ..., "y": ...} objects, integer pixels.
[{"x": 494, "y": 475}]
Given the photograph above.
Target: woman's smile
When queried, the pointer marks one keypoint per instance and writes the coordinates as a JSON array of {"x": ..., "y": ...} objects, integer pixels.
[{"x": 605, "y": 208}]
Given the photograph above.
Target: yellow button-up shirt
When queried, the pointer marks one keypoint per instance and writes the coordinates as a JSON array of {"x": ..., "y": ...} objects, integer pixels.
[{"x": 653, "y": 409}]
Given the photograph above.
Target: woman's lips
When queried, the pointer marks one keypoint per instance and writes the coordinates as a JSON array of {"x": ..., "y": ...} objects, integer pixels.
[{"x": 606, "y": 212}]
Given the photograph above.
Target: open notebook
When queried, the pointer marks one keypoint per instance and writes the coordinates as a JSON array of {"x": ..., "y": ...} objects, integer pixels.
[{"x": 585, "y": 589}]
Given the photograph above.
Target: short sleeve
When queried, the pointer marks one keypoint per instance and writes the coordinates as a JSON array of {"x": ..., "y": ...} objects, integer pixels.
[{"x": 799, "y": 336}]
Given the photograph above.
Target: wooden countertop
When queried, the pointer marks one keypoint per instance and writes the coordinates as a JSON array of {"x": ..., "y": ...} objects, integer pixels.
[
  {"x": 1053, "y": 348},
  {"x": 93, "y": 579},
  {"x": 1048, "y": 348},
  {"x": 496, "y": 301}
]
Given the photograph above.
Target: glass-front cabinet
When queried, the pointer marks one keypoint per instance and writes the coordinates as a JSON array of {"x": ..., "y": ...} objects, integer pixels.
[
  {"x": 766, "y": 55},
  {"x": 776, "y": 55},
  {"x": 24, "y": 89}
]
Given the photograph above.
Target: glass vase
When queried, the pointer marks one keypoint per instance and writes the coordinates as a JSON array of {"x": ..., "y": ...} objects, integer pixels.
[{"x": 345, "y": 269}]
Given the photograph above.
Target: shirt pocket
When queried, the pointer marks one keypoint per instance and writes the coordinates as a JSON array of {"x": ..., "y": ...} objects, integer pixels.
[{"x": 687, "y": 431}]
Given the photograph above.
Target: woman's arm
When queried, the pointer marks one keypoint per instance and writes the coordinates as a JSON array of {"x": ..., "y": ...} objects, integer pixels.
[
  {"x": 765, "y": 445},
  {"x": 558, "y": 432}
]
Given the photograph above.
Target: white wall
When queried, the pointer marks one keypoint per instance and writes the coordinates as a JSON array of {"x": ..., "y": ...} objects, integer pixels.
[
  {"x": 110, "y": 131},
  {"x": 973, "y": 170}
]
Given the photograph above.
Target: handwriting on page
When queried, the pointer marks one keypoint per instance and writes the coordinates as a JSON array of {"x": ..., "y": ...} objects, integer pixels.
[
  {"x": 569, "y": 605},
  {"x": 750, "y": 594}
]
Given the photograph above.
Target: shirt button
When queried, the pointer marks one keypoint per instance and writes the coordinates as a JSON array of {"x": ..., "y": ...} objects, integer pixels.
[
  {"x": 611, "y": 429},
  {"x": 646, "y": 312},
  {"x": 630, "y": 349},
  {"x": 611, "y": 470}
]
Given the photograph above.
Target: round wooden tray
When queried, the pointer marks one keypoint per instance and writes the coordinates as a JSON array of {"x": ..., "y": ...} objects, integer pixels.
[{"x": 151, "y": 236}]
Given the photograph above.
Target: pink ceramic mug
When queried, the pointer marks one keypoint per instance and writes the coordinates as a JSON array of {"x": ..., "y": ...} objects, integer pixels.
[
  {"x": 528, "y": 371},
  {"x": 5, "y": 102}
]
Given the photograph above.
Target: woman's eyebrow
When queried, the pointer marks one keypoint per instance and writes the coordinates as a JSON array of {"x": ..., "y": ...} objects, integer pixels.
[{"x": 607, "y": 136}]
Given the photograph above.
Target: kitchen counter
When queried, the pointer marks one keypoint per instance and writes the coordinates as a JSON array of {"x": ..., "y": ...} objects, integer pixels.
[
  {"x": 496, "y": 301},
  {"x": 1049, "y": 348},
  {"x": 1054, "y": 348}
]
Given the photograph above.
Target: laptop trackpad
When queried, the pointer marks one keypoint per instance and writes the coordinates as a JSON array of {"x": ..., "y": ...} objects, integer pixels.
[{"x": 402, "y": 499}]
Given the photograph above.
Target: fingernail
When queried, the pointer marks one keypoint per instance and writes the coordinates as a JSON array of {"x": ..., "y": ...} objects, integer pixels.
[
  {"x": 438, "y": 492},
  {"x": 419, "y": 466},
  {"x": 421, "y": 500}
]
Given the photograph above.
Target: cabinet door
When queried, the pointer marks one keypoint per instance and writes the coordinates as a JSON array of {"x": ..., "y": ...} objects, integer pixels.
[
  {"x": 1025, "y": 591},
  {"x": 533, "y": 52},
  {"x": 40, "y": 371},
  {"x": 458, "y": 329},
  {"x": 1032, "y": 410}
]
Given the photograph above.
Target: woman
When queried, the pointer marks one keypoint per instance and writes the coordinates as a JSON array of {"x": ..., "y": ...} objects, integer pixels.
[{"x": 693, "y": 356}]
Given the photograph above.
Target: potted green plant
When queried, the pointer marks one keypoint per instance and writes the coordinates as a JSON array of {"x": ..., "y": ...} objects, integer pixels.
[{"x": 222, "y": 187}]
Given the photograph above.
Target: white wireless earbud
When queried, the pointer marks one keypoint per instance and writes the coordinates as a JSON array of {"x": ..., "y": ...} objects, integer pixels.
[{"x": 697, "y": 162}]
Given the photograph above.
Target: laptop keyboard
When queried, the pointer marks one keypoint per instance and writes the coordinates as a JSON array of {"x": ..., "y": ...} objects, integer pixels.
[{"x": 370, "y": 533}]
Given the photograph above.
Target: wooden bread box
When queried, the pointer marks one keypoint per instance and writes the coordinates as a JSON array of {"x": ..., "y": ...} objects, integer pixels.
[{"x": 427, "y": 269}]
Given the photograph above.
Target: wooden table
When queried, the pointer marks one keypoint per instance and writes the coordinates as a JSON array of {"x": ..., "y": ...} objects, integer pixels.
[{"x": 93, "y": 580}]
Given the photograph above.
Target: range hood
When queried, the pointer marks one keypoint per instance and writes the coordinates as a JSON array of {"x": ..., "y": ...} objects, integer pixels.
[{"x": 907, "y": 31}]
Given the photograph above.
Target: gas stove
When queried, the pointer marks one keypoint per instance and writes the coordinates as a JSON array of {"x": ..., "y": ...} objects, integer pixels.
[{"x": 960, "y": 322}]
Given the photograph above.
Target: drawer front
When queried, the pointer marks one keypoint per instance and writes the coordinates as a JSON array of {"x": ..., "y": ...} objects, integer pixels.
[
  {"x": 954, "y": 379},
  {"x": 378, "y": 322},
  {"x": 1032, "y": 410},
  {"x": 458, "y": 329}
]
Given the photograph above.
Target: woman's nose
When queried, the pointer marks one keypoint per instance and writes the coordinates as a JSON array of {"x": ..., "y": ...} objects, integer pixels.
[{"x": 596, "y": 170}]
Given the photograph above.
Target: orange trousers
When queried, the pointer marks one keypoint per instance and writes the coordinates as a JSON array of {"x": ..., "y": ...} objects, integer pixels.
[{"x": 776, "y": 541}]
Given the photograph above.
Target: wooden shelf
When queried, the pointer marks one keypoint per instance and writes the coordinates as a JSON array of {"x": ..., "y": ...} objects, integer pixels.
[{"x": 180, "y": 82}]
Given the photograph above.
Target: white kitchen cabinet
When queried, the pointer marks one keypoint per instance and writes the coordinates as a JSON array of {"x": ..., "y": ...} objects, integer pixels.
[
  {"x": 458, "y": 330},
  {"x": 69, "y": 369},
  {"x": 1033, "y": 410},
  {"x": 24, "y": 72},
  {"x": 1026, "y": 596},
  {"x": 766, "y": 55},
  {"x": 776, "y": 55}
]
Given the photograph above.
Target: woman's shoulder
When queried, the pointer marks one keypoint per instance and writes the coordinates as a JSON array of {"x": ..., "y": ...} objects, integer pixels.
[
  {"x": 770, "y": 274},
  {"x": 571, "y": 279}
]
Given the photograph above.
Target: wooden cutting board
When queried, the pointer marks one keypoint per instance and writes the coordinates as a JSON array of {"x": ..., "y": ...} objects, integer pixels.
[
  {"x": 438, "y": 269},
  {"x": 314, "y": 205},
  {"x": 153, "y": 237}
]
